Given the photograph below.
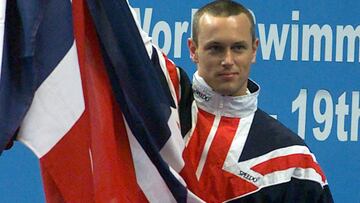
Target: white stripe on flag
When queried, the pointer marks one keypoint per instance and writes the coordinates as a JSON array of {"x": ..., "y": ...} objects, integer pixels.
[
  {"x": 147, "y": 176},
  {"x": 2, "y": 27},
  {"x": 174, "y": 147},
  {"x": 58, "y": 103}
]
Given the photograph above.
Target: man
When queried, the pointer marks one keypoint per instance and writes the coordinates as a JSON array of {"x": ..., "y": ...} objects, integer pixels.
[{"x": 235, "y": 151}]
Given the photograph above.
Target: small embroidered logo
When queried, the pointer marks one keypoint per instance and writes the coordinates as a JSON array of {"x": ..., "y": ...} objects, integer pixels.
[
  {"x": 248, "y": 176},
  {"x": 202, "y": 95}
]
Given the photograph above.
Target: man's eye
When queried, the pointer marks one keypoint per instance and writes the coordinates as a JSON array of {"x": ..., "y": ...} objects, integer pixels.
[
  {"x": 215, "y": 48},
  {"x": 239, "y": 48}
]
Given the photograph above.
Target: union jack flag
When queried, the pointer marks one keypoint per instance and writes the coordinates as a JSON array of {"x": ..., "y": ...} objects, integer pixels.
[{"x": 87, "y": 103}]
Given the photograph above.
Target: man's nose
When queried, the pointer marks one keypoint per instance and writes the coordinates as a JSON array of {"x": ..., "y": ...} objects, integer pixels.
[{"x": 228, "y": 58}]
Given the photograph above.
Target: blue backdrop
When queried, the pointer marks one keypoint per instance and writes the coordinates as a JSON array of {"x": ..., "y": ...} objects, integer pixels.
[{"x": 308, "y": 69}]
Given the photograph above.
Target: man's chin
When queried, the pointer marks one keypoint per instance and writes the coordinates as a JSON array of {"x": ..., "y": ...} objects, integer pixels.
[
  {"x": 230, "y": 91},
  {"x": 225, "y": 91}
]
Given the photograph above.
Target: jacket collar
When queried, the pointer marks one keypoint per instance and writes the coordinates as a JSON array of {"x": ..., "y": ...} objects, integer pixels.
[{"x": 212, "y": 102}]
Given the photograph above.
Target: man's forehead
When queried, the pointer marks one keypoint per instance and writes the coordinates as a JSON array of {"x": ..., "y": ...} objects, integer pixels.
[
  {"x": 206, "y": 14},
  {"x": 208, "y": 19},
  {"x": 209, "y": 24}
]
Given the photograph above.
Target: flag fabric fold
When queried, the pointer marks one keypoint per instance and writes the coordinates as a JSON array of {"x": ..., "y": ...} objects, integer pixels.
[
  {"x": 145, "y": 108},
  {"x": 27, "y": 58},
  {"x": 17, "y": 77}
]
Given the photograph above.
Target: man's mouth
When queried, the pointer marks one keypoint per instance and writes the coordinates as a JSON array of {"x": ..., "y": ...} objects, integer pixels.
[{"x": 228, "y": 75}]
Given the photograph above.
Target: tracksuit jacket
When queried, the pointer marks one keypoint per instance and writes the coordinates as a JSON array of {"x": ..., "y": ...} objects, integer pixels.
[{"x": 234, "y": 151}]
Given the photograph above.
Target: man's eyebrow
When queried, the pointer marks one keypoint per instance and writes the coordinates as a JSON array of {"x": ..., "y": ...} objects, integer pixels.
[
  {"x": 242, "y": 42},
  {"x": 212, "y": 42},
  {"x": 217, "y": 42}
]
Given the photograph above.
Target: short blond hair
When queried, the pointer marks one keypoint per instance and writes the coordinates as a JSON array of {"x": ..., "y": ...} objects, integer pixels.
[{"x": 221, "y": 8}]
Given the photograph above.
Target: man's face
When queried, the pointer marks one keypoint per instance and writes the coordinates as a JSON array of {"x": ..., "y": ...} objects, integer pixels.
[{"x": 224, "y": 53}]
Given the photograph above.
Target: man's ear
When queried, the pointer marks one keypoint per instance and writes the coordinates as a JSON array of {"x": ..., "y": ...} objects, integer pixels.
[
  {"x": 255, "y": 46},
  {"x": 192, "y": 49}
]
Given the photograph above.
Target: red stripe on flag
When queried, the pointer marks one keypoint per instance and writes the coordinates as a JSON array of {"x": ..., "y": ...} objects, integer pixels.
[
  {"x": 66, "y": 168},
  {"x": 114, "y": 173},
  {"x": 289, "y": 161},
  {"x": 93, "y": 161},
  {"x": 174, "y": 77},
  {"x": 52, "y": 192}
]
